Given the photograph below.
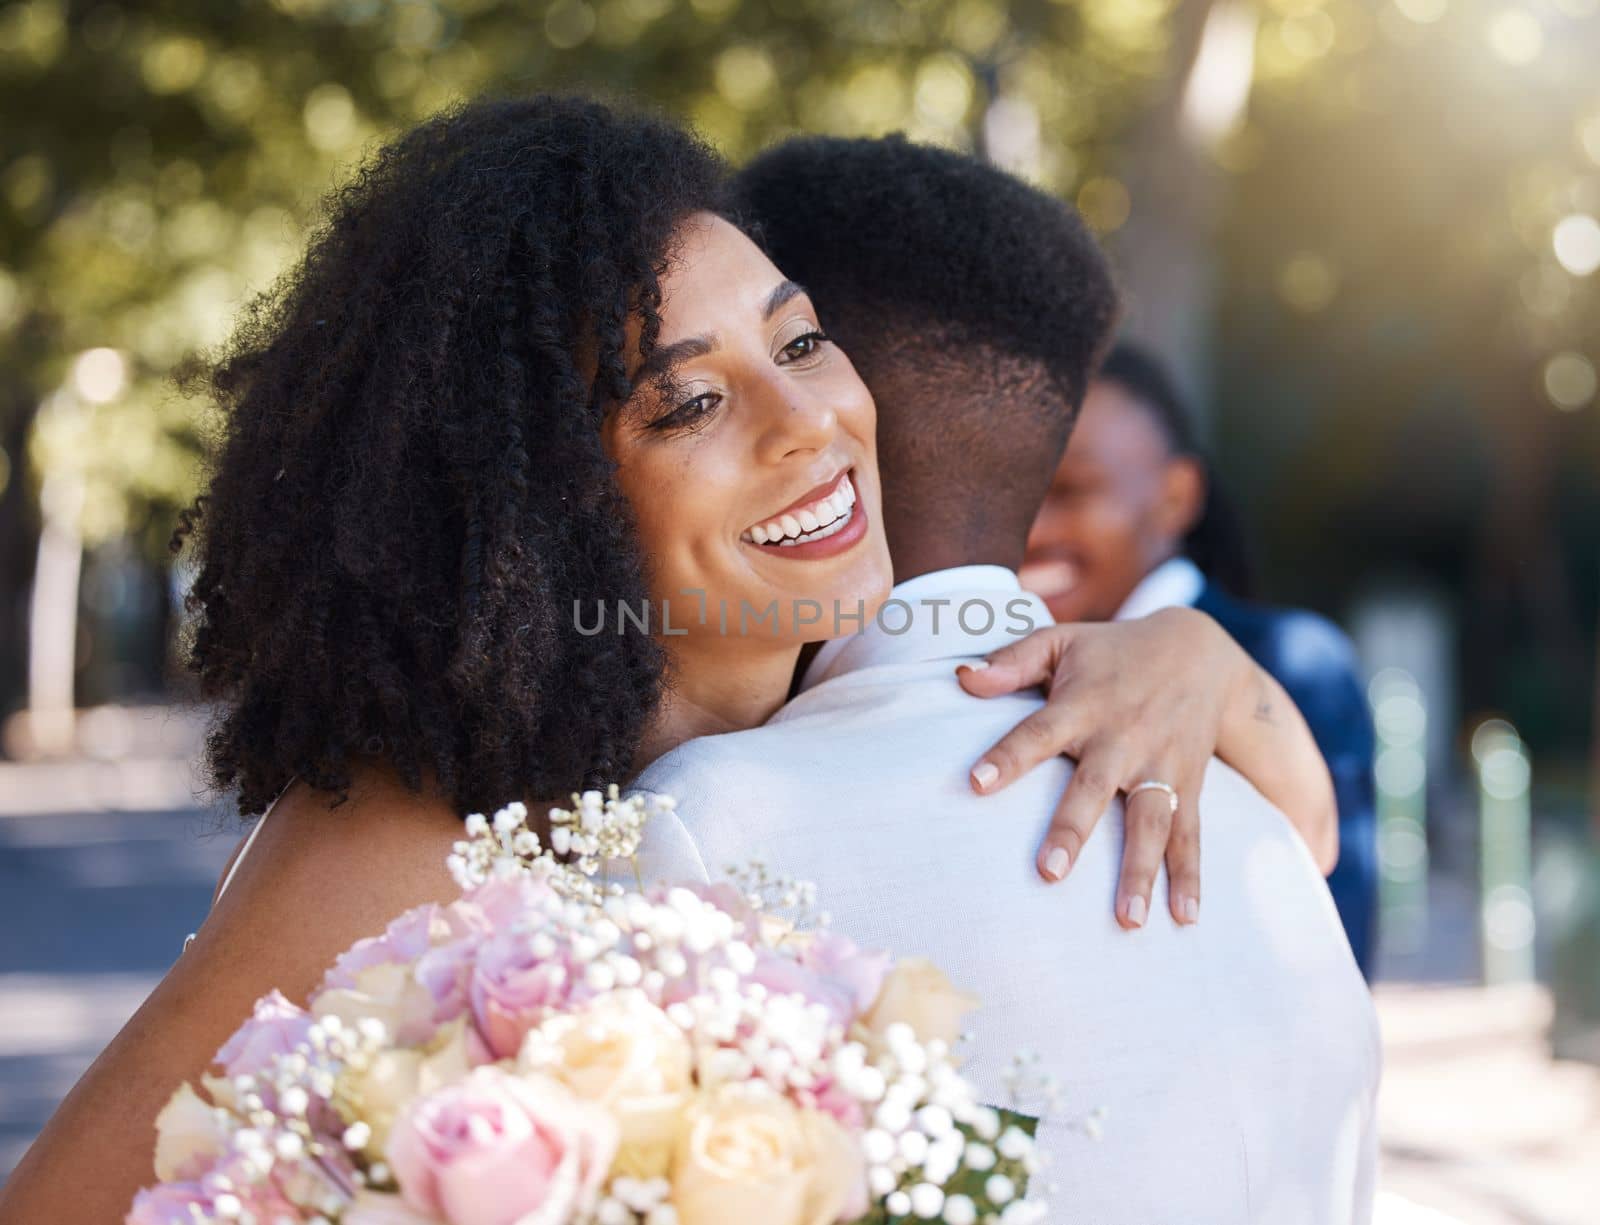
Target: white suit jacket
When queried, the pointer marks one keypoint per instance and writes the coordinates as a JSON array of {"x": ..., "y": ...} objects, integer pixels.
[{"x": 1238, "y": 1059}]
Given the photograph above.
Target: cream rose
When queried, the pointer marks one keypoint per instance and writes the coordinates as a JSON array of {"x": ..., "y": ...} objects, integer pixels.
[
  {"x": 395, "y": 1078},
  {"x": 187, "y": 1130},
  {"x": 623, "y": 1053},
  {"x": 916, "y": 993},
  {"x": 746, "y": 1154},
  {"x": 389, "y": 993}
]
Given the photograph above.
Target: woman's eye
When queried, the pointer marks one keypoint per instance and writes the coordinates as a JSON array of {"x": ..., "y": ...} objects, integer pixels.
[
  {"x": 804, "y": 346},
  {"x": 690, "y": 413}
]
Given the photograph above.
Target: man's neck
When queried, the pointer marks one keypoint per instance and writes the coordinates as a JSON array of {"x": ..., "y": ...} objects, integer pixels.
[
  {"x": 928, "y": 534},
  {"x": 913, "y": 562}
]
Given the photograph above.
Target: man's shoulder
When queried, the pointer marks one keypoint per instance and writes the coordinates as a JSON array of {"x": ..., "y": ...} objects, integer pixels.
[{"x": 707, "y": 767}]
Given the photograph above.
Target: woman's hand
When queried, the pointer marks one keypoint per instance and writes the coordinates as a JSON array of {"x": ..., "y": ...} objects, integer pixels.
[{"x": 1151, "y": 700}]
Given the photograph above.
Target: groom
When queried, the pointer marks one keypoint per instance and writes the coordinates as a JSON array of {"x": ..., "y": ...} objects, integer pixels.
[{"x": 1237, "y": 1056}]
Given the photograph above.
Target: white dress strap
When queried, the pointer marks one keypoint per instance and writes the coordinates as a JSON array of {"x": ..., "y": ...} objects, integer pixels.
[
  {"x": 238, "y": 859},
  {"x": 250, "y": 841}
]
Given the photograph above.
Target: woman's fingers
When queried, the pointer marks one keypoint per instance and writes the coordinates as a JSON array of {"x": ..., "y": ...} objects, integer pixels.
[
  {"x": 1030, "y": 661},
  {"x": 1148, "y": 821},
  {"x": 1048, "y": 732},
  {"x": 1183, "y": 856},
  {"x": 1089, "y": 793}
]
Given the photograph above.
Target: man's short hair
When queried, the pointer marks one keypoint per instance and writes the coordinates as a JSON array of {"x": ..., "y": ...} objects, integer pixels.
[{"x": 896, "y": 240}]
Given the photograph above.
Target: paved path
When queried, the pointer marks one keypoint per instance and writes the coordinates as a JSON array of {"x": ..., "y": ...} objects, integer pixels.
[{"x": 93, "y": 909}]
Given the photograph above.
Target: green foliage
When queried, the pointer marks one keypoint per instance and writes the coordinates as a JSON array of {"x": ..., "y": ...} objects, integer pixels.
[{"x": 162, "y": 160}]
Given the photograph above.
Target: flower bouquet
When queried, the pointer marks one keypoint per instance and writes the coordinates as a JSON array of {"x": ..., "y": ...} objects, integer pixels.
[{"x": 551, "y": 1050}]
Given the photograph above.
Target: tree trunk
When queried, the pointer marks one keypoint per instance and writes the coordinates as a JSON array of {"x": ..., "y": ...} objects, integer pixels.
[
  {"x": 1164, "y": 253},
  {"x": 19, "y": 536}
]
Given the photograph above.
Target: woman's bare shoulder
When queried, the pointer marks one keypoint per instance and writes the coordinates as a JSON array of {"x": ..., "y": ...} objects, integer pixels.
[{"x": 318, "y": 878}]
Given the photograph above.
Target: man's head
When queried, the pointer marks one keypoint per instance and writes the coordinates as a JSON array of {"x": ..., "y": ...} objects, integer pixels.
[
  {"x": 1131, "y": 486},
  {"x": 973, "y": 305}
]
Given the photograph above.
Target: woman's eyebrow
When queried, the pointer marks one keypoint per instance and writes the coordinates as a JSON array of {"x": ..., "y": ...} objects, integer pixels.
[
  {"x": 661, "y": 361},
  {"x": 780, "y": 295}
]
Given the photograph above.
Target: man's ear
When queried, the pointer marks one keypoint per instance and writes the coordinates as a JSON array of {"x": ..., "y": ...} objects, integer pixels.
[{"x": 1183, "y": 496}]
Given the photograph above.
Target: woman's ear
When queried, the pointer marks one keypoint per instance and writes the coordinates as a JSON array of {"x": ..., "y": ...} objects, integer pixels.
[{"x": 1183, "y": 496}]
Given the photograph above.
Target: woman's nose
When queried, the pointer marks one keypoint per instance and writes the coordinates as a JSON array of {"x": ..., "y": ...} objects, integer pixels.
[{"x": 796, "y": 418}]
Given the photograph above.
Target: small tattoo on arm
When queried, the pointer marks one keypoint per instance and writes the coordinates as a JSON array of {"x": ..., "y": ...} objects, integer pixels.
[{"x": 1264, "y": 711}]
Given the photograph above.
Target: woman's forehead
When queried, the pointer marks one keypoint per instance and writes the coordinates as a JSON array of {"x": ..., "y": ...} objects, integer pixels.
[{"x": 716, "y": 273}]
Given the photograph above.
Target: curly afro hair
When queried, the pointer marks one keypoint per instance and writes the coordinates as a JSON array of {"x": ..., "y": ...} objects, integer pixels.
[{"x": 410, "y": 493}]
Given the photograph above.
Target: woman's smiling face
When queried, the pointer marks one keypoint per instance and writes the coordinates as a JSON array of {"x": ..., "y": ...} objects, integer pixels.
[{"x": 747, "y": 452}]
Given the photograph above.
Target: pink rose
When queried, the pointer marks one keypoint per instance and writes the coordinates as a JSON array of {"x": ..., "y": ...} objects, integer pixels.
[
  {"x": 404, "y": 940},
  {"x": 782, "y": 974},
  {"x": 499, "y": 902},
  {"x": 840, "y": 961},
  {"x": 182, "y": 1203},
  {"x": 834, "y": 1100},
  {"x": 413, "y": 978},
  {"x": 276, "y": 1029},
  {"x": 168, "y": 1204},
  {"x": 498, "y": 1149},
  {"x": 514, "y": 987},
  {"x": 824, "y": 969}
]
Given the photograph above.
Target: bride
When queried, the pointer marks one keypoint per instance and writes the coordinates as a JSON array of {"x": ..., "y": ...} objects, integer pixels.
[{"x": 446, "y": 429}]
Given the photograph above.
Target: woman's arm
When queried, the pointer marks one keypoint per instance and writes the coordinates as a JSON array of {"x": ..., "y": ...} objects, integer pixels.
[
  {"x": 315, "y": 882},
  {"x": 1152, "y": 699}
]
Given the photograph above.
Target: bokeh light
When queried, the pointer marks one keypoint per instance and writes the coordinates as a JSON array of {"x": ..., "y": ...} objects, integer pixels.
[
  {"x": 1576, "y": 240},
  {"x": 1308, "y": 282},
  {"x": 1423, "y": 12},
  {"x": 1569, "y": 380},
  {"x": 1589, "y": 137},
  {"x": 1515, "y": 36},
  {"x": 568, "y": 23},
  {"x": 172, "y": 65},
  {"x": 330, "y": 118},
  {"x": 99, "y": 375},
  {"x": 1105, "y": 204},
  {"x": 746, "y": 76}
]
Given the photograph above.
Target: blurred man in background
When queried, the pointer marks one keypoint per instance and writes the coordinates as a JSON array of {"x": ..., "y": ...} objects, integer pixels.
[{"x": 1134, "y": 523}]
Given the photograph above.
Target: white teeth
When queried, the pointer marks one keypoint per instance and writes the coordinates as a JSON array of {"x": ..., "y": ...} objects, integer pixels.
[
  {"x": 821, "y": 518},
  {"x": 837, "y": 526}
]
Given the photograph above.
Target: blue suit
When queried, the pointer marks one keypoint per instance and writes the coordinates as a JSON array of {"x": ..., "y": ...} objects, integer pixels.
[{"x": 1314, "y": 661}]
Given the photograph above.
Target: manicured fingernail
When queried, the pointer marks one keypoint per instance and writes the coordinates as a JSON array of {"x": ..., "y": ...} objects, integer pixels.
[
  {"x": 1057, "y": 862},
  {"x": 1135, "y": 912},
  {"x": 1190, "y": 909},
  {"x": 977, "y": 665},
  {"x": 984, "y": 774}
]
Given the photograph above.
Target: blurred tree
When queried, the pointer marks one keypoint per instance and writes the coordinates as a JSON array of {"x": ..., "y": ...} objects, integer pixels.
[
  {"x": 1402, "y": 193},
  {"x": 1408, "y": 328},
  {"x": 160, "y": 163}
]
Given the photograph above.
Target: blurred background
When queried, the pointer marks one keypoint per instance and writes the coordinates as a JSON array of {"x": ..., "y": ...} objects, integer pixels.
[{"x": 1365, "y": 233}]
